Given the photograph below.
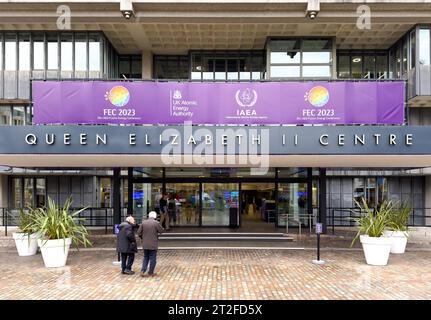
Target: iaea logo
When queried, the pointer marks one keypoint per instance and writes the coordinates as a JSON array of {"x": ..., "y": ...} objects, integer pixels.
[
  {"x": 119, "y": 96},
  {"x": 318, "y": 96},
  {"x": 246, "y": 98}
]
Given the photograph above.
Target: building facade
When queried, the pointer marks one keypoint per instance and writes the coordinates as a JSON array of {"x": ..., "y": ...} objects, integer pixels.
[{"x": 229, "y": 42}]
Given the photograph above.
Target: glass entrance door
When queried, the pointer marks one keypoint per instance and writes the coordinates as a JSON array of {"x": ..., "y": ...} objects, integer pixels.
[
  {"x": 145, "y": 199},
  {"x": 183, "y": 204},
  {"x": 292, "y": 204},
  {"x": 220, "y": 204}
]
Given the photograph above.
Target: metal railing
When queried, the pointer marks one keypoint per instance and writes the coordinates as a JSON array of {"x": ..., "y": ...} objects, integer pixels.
[
  {"x": 93, "y": 217},
  {"x": 344, "y": 217}
]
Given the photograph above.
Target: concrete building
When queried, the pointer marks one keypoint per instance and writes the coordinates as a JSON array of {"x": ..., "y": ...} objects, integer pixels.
[{"x": 316, "y": 42}]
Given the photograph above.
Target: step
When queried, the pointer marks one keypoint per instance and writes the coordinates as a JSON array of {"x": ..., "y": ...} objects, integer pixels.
[{"x": 219, "y": 236}]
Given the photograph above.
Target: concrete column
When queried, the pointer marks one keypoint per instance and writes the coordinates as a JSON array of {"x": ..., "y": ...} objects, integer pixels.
[
  {"x": 3, "y": 192},
  {"x": 427, "y": 194},
  {"x": 147, "y": 65}
]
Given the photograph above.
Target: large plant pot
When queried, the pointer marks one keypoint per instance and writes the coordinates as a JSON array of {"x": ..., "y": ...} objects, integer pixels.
[
  {"x": 26, "y": 244},
  {"x": 399, "y": 240},
  {"x": 54, "y": 252},
  {"x": 376, "y": 249}
]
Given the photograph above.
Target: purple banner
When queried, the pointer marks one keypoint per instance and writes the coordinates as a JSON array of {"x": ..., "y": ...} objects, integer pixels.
[{"x": 103, "y": 102}]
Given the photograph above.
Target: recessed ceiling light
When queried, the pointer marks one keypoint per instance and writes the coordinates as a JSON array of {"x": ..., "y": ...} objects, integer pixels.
[{"x": 356, "y": 60}]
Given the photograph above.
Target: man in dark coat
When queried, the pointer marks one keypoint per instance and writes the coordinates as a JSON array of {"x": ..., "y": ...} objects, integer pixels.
[
  {"x": 149, "y": 232},
  {"x": 126, "y": 245}
]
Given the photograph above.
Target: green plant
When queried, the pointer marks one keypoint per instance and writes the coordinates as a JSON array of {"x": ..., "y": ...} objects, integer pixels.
[
  {"x": 399, "y": 217},
  {"x": 25, "y": 219},
  {"x": 55, "y": 222},
  {"x": 374, "y": 222}
]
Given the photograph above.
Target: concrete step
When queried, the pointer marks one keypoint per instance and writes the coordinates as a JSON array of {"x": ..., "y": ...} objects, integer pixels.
[{"x": 222, "y": 236}]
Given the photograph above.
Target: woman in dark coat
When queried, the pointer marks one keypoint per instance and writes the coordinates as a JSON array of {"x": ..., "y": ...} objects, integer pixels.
[{"x": 126, "y": 245}]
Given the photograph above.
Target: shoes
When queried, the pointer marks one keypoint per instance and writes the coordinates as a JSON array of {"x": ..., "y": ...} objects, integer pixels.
[
  {"x": 143, "y": 274},
  {"x": 152, "y": 275},
  {"x": 129, "y": 272}
]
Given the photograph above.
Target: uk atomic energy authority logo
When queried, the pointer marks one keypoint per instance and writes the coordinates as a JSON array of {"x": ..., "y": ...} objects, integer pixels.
[
  {"x": 119, "y": 96},
  {"x": 318, "y": 96},
  {"x": 246, "y": 98}
]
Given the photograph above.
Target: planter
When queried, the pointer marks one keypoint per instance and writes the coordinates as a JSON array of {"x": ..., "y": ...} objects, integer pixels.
[
  {"x": 376, "y": 250},
  {"x": 25, "y": 246},
  {"x": 399, "y": 240},
  {"x": 54, "y": 252}
]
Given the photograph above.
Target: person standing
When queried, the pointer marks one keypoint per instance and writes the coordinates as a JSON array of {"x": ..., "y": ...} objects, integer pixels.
[
  {"x": 164, "y": 215},
  {"x": 149, "y": 232},
  {"x": 126, "y": 245}
]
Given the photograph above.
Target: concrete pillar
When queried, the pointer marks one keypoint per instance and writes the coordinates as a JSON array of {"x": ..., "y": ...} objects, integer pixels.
[
  {"x": 427, "y": 194},
  {"x": 3, "y": 192},
  {"x": 147, "y": 65}
]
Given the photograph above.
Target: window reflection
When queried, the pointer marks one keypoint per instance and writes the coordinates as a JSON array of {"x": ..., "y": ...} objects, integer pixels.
[{"x": 424, "y": 47}]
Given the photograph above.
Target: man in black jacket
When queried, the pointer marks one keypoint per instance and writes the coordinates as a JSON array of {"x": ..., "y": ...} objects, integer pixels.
[{"x": 126, "y": 245}]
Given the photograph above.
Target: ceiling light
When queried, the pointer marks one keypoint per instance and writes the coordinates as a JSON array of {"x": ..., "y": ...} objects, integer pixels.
[{"x": 356, "y": 60}]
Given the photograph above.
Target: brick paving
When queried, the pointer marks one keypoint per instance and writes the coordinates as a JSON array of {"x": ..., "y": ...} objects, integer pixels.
[{"x": 220, "y": 274}]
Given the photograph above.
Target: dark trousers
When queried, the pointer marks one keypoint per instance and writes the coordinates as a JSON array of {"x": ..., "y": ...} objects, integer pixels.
[
  {"x": 151, "y": 257},
  {"x": 127, "y": 261}
]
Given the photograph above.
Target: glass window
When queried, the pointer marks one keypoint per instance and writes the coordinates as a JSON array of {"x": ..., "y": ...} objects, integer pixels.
[
  {"x": 316, "y": 57},
  {"x": 80, "y": 52},
  {"x": 358, "y": 190},
  {"x": 292, "y": 173},
  {"x": 370, "y": 193},
  {"x": 382, "y": 66},
  {"x": 5, "y": 115},
  {"x": 343, "y": 66},
  {"x": 316, "y": 71},
  {"x": 369, "y": 67},
  {"x": 28, "y": 192},
  {"x": 146, "y": 198},
  {"x": 285, "y": 57},
  {"x": 292, "y": 204},
  {"x": 10, "y": 52},
  {"x": 105, "y": 192},
  {"x": 220, "y": 69},
  {"x": 66, "y": 52},
  {"x": 357, "y": 67},
  {"x": 52, "y": 48},
  {"x": 124, "y": 67},
  {"x": 94, "y": 53},
  {"x": 16, "y": 193},
  {"x": 257, "y": 67},
  {"x": 136, "y": 67},
  {"x": 1, "y": 52},
  {"x": 382, "y": 188},
  {"x": 18, "y": 116},
  {"x": 413, "y": 49},
  {"x": 218, "y": 200},
  {"x": 404, "y": 57},
  {"x": 24, "y": 52},
  {"x": 38, "y": 52},
  {"x": 196, "y": 66},
  {"x": 232, "y": 70},
  {"x": 148, "y": 172},
  {"x": 208, "y": 67},
  {"x": 285, "y": 71},
  {"x": 424, "y": 46},
  {"x": 40, "y": 192}
]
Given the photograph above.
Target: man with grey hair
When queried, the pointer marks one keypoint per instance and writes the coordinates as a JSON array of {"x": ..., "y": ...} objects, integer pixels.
[
  {"x": 126, "y": 245},
  {"x": 149, "y": 232}
]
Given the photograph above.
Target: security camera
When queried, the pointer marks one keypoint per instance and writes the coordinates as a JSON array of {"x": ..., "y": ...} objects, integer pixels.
[
  {"x": 312, "y": 14},
  {"x": 126, "y": 8},
  {"x": 127, "y": 14}
]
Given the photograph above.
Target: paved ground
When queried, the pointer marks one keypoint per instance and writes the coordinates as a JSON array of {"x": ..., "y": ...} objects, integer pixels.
[{"x": 220, "y": 274}]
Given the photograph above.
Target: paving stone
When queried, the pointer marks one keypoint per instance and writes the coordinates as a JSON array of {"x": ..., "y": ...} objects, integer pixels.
[{"x": 220, "y": 274}]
